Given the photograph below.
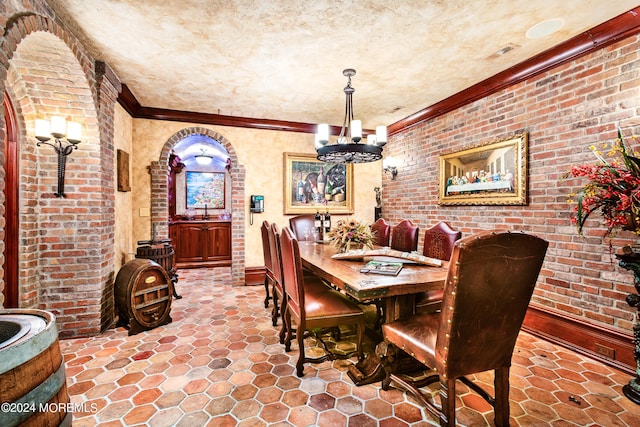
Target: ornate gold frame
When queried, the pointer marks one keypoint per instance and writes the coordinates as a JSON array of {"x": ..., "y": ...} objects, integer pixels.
[
  {"x": 501, "y": 168},
  {"x": 294, "y": 163}
]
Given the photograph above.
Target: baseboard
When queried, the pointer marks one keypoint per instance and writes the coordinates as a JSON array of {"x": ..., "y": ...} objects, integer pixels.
[
  {"x": 605, "y": 345},
  {"x": 254, "y": 276}
]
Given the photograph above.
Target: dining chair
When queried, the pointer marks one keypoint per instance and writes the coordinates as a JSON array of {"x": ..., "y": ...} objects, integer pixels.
[
  {"x": 303, "y": 226},
  {"x": 277, "y": 290},
  {"x": 381, "y": 232},
  {"x": 438, "y": 243},
  {"x": 311, "y": 309},
  {"x": 266, "y": 251},
  {"x": 489, "y": 284},
  {"x": 404, "y": 236}
]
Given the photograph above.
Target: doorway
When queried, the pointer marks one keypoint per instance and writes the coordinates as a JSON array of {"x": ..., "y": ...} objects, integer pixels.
[{"x": 11, "y": 239}]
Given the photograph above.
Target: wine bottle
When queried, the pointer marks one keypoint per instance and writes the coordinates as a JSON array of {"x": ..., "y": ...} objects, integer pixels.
[{"x": 327, "y": 222}]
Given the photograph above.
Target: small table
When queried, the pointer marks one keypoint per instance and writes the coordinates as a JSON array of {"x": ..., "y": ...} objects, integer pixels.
[{"x": 397, "y": 293}]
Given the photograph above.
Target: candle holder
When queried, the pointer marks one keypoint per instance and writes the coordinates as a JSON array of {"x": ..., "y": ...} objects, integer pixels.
[{"x": 629, "y": 259}]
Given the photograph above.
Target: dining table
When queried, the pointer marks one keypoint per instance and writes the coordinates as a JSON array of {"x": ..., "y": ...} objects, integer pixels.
[{"x": 395, "y": 293}]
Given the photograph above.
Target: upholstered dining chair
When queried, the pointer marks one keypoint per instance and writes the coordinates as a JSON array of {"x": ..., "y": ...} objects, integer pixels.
[
  {"x": 302, "y": 226},
  {"x": 489, "y": 284},
  {"x": 266, "y": 251},
  {"x": 381, "y": 232},
  {"x": 277, "y": 290},
  {"x": 438, "y": 243},
  {"x": 404, "y": 236},
  {"x": 311, "y": 309}
]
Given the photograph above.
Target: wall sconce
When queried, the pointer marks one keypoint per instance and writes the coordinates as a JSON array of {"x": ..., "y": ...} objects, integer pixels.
[
  {"x": 59, "y": 128},
  {"x": 390, "y": 164}
]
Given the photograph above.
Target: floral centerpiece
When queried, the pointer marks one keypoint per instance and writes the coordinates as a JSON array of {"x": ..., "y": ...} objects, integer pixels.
[
  {"x": 612, "y": 188},
  {"x": 351, "y": 234}
]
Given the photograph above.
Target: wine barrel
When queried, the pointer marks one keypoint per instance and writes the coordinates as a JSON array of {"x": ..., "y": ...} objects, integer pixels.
[
  {"x": 143, "y": 293},
  {"x": 33, "y": 387}
]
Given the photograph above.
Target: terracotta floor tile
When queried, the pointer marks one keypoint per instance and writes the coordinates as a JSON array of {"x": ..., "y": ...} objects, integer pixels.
[
  {"x": 269, "y": 395},
  {"x": 322, "y": 402},
  {"x": 302, "y": 416},
  {"x": 274, "y": 412},
  {"x": 139, "y": 414},
  {"x": 220, "y": 363},
  {"x": 165, "y": 418},
  {"x": 348, "y": 405},
  {"x": 146, "y": 396}
]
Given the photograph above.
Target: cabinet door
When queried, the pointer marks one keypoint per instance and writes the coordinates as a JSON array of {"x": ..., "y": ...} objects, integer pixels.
[
  {"x": 218, "y": 241},
  {"x": 190, "y": 243}
]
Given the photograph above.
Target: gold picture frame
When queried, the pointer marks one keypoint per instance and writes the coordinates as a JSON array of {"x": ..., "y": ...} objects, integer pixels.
[
  {"x": 306, "y": 191},
  {"x": 493, "y": 173}
]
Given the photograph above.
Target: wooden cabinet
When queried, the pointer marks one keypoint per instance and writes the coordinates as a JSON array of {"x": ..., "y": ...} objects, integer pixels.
[{"x": 201, "y": 243}]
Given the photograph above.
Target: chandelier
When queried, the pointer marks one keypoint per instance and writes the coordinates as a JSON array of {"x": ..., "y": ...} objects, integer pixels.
[{"x": 348, "y": 147}]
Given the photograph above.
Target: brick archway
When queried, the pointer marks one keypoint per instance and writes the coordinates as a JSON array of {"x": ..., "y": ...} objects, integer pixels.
[
  {"x": 66, "y": 244},
  {"x": 160, "y": 201}
]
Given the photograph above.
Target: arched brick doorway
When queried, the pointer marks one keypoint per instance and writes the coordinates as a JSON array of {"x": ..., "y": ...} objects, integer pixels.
[
  {"x": 66, "y": 247},
  {"x": 160, "y": 201}
]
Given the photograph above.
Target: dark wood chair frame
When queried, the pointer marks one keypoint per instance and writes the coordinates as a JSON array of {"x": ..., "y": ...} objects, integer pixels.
[{"x": 489, "y": 284}]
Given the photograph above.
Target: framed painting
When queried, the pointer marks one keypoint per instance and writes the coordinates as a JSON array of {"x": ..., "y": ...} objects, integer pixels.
[
  {"x": 311, "y": 185},
  {"x": 205, "y": 188},
  {"x": 494, "y": 173}
]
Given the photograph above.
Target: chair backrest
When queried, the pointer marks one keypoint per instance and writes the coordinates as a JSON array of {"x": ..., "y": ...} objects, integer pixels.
[
  {"x": 302, "y": 224},
  {"x": 439, "y": 240},
  {"x": 404, "y": 236},
  {"x": 489, "y": 284},
  {"x": 292, "y": 272},
  {"x": 381, "y": 232},
  {"x": 266, "y": 250},
  {"x": 276, "y": 256}
]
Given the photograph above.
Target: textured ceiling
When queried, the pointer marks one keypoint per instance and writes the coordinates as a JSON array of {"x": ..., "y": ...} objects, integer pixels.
[{"x": 283, "y": 59}]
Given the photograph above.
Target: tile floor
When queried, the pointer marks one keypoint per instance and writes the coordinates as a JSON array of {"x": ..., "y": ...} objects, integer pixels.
[{"x": 219, "y": 363}]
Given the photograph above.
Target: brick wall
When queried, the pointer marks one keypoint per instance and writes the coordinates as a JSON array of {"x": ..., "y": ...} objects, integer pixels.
[
  {"x": 66, "y": 244},
  {"x": 564, "y": 111}
]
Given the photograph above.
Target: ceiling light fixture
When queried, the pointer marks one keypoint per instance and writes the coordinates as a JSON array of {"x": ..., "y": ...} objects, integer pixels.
[
  {"x": 347, "y": 148},
  {"x": 204, "y": 158}
]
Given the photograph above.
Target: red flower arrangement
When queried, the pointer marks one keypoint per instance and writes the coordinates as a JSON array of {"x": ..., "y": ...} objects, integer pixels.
[{"x": 613, "y": 188}]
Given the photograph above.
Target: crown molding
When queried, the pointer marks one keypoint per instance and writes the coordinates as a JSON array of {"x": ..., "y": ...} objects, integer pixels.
[{"x": 607, "y": 33}]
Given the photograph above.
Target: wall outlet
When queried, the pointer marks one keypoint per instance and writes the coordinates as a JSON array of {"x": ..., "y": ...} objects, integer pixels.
[{"x": 145, "y": 211}]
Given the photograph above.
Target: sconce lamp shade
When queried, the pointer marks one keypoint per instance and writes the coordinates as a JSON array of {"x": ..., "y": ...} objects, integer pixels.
[
  {"x": 43, "y": 130},
  {"x": 74, "y": 132},
  {"x": 390, "y": 164},
  {"x": 58, "y": 126}
]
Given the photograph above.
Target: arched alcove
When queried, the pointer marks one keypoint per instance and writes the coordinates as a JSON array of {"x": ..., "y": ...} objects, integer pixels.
[{"x": 160, "y": 203}]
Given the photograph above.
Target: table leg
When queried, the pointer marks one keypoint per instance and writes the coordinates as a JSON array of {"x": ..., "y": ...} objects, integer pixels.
[{"x": 370, "y": 370}]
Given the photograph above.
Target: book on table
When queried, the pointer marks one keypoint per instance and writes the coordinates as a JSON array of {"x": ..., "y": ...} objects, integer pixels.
[{"x": 382, "y": 267}]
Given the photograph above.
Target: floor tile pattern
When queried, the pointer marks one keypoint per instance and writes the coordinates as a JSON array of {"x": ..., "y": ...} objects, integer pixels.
[{"x": 219, "y": 363}]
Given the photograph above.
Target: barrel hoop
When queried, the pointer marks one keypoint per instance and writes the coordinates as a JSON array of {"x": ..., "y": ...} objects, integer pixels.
[
  {"x": 22, "y": 351},
  {"x": 43, "y": 393}
]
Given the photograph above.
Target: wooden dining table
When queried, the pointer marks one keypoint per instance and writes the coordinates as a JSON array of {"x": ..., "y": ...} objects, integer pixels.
[{"x": 396, "y": 294}]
